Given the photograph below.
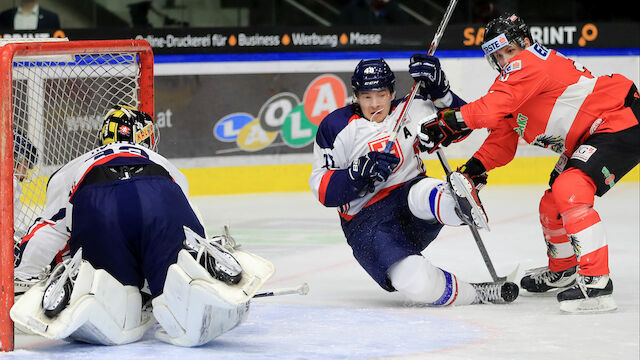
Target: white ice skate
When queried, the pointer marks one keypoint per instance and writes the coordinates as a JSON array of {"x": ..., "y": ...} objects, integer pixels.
[{"x": 468, "y": 205}]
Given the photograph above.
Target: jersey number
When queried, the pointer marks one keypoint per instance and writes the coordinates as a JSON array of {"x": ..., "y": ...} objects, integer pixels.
[
  {"x": 121, "y": 149},
  {"x": 328, "y": 162}
]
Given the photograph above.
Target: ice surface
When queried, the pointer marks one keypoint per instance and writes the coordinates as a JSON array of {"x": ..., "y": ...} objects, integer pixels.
[{"x": 347, "y": 316}]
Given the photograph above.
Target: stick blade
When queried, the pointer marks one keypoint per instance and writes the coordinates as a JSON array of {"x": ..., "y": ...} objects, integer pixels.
[{"x": 303, "y": 289}]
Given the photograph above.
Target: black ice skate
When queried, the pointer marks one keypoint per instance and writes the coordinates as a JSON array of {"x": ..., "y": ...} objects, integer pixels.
[
  {"x": 468, "y": 205},
  {"x": 496, "y": 293},
  {"x": 588, "y": 294},
  {"x": 213, "y": 257},
  {"x": 542, "y": 279}
]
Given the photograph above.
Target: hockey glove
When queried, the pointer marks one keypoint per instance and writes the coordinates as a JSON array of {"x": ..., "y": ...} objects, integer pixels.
[
  {"x": 476, "y": 172},
  {"x": 427, "y": 69},
  {"x": 375, "y": 166},
  {"x": 448, "y": 127}
]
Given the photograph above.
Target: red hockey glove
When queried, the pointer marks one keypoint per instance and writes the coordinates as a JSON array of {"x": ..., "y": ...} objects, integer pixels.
[{"x": 447, "y": 128}]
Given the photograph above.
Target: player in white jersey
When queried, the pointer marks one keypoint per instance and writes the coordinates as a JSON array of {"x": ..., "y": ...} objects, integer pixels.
[
  {"x": 124, "y": 211},
  {"x": 25, "y": 157},
  {"x": 390, "y": 211}
]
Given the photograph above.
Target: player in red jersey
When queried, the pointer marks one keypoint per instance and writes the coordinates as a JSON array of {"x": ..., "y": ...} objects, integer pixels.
[{"x": 592, "y": 122}]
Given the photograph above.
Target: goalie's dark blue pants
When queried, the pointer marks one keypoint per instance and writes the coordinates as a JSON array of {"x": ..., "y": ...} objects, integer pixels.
[
  {"x": 132, "y": 228},
  {"x": 386, "y": 232}
]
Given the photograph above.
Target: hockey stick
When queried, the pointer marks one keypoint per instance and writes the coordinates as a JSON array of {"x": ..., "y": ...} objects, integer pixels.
[
  {"x": 416, "y": 85},
  {"x": 302, "y": 289},
  {"x": 439, "y": 152}
]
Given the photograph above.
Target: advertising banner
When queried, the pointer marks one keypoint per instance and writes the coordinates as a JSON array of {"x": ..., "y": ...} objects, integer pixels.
[
  {"x": 341, "y": 38},
  {"x": 246, "y": 114}
]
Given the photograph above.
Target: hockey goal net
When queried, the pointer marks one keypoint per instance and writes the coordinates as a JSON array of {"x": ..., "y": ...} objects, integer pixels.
[{"x": 54, "y": 95}]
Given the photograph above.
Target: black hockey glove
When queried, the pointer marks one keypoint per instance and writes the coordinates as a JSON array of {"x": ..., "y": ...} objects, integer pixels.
[
  {"x": 476, "y": 171},
  {"x": 427, "y": 69},
  {"x": 375, "y": 166},
  {"x": 448, "y": 127}
]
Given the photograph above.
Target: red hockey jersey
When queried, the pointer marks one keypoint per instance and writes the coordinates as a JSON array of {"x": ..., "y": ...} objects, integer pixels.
[{"x": 549, "y": 100}]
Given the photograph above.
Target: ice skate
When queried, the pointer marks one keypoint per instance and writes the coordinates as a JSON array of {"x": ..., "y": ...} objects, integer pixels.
[
  {"x": 468, "y": 205},
  {"x": 213, "y": 257},
  {"x": 542, "y": 279},
  {"x": 589, "y": 294},
  {"x": 496, "y": 293},
  {"x": 60, "y": 285}
]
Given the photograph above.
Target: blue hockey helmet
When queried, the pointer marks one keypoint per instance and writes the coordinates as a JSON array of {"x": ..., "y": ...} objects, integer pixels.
[
  {"x": 125, "y": 123},
  {"x": 502, "y": 31},
  {"x": 371, "y": 75},
  {"x": 24, "y": 152}
]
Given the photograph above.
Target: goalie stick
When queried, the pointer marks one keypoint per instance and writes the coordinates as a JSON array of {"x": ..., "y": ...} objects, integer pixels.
[
  {"x": 439, "y": 152},
  {"x": 302, "y": 289}
]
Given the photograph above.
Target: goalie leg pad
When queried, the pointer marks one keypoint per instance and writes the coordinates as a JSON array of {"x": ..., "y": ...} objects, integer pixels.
[
  {"x": 100, "y": 311},
  {"x": 194, "y": 307}
]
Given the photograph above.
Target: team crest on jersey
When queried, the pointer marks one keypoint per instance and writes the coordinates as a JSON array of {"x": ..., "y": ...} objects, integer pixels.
[
  {"x": 512, "y": 67},
  {"x": 380, "y": 144},
  {"x": 553, "y": 143}
]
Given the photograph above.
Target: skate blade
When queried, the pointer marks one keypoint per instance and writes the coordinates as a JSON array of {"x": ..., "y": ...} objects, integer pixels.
[{"x": 588, "y": 306}]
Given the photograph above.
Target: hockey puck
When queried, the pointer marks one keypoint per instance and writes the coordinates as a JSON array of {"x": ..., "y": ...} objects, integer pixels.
[{"x": 509, "y": 291}]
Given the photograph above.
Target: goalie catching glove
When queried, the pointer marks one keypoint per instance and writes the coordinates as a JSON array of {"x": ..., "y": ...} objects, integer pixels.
[{"x": 446, "y": 128}]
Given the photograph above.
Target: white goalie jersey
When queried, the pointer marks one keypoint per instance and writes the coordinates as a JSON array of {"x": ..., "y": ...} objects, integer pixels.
[
  {"x": 51, "y": 231},
  {"x": 344, "y": 137}
]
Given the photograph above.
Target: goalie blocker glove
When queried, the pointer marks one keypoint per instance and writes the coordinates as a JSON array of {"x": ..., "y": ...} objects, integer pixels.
[{"x": 448, "y": 127}]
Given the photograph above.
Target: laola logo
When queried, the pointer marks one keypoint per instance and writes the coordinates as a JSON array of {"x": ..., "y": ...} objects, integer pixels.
[
  {"x": 323, "y": 95},
  {"x": 296, "y": 121}
]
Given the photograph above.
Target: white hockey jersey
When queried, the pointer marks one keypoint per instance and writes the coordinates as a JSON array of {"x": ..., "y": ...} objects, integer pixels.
[
  {"x": 343, "y": 137},
  {"x": 50, "y": 232}
]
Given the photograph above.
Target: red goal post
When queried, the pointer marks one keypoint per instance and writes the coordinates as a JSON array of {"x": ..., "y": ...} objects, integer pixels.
[{"x": 53, "y": 96}]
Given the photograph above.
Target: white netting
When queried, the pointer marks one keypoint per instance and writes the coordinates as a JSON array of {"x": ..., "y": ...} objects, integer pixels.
[{"x": 58, "y": 108}]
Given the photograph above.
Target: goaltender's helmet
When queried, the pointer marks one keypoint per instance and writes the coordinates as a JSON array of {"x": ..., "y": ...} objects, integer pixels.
[
  {"x": 372, "y": 75},
  {"x": 502, "y": 31},
  {"x": 125, "y": 123},
  {"x": 24, "y": 152}
]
